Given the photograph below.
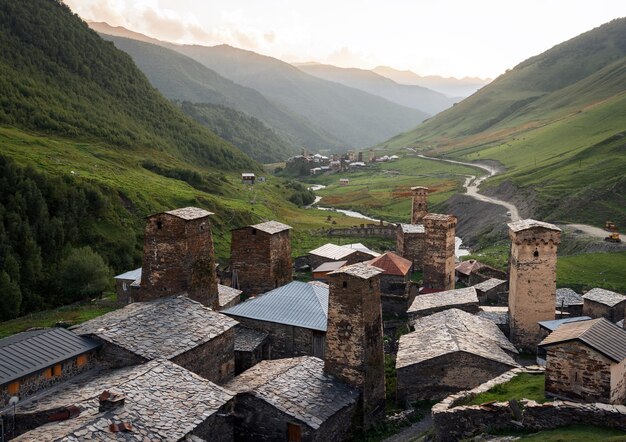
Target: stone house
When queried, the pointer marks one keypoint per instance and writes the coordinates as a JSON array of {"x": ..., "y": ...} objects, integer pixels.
[
  {"x": 292, "y": 400},
  {"x": 548, "y": 327},
  {"x": 463, "y": 299},
  {"x": 158, "y": 400},
  {"x": 294, "y": 316},
  {"x": 395, "y": 287},
  {"x": 419, "y": 204},
  {"x": 260, "y": 257},
  {"x": 492, "y": 291},
  {"x": 601, "y": 303},
  {"x": 248, "y": 178},
  {"x": 176, "y": 328},
  {"x": 450, "y": 351},
  {"x": 127, "y": 286},
  {"x": 439, "y": 245},
  {"x": 473, "y": 272},
  {"x": 410, "y": 243},
  {"x": 586, "y": 361},
  {"x": 34, "y": 360},
  {"x": 569, "y": 302},
  {"x": 320, "y": 272},
  {"x": 251, "y": 347},
  {"x": 351, "y": 253},
  {"x": 228, "y": 296}
]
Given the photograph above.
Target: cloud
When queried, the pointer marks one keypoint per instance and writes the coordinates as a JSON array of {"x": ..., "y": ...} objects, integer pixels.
[
  {"x": 345, "y": 57},
  {"x": 269, "y": 37}
]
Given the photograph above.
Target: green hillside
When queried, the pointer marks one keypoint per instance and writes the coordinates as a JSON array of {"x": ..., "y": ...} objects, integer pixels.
[{"x": 556, "y": 122}]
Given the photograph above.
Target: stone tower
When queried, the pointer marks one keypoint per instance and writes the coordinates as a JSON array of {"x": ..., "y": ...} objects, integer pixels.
[
  {"x": 419, "y": 207},
  {"x": 438, "y": 252},
  {"x": 178, "y": 256},
  {"x": 354, "y": 339},
  {"x": 260, "y": 257},
  {"x": 532, "y": 279}
]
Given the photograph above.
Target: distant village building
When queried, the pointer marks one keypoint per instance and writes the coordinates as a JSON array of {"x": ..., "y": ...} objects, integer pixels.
[
  {"x": 344, "y": 181},
  {"x": 294, "y": 316},
  {"x": 127, "y": 286},
  {"x": 439, "y": 251},
  {"x": 179, "y": 257},
  {"x": 320, "y": 272},
  {"x": 586, "y": 361},
  {"x": 32, "y": 361},
  {"x": 490, "y": 291},
  {"x": 464, "y": 299},
  {"x": 410, "y": 243},
  {"x": 351, "y": 253},
  {"x": 419, "y": 204},
  {"x": 176, "y": 328},
  {"x": 158, "y": 400},
  {"x": 248, "y": 178},
  {"x": 450, "y": 351},
  {"x": 532, "y": 282},
  {"x": 569, "y": 302},
  {"x": 260, "y": 257},
  {"x": 601, "y": 303}
]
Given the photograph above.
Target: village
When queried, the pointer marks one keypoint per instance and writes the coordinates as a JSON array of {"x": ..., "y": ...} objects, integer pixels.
[{"x": 248, "y": 353}]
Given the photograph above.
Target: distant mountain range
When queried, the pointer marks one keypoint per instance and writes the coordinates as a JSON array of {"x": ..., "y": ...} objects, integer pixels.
[
  {"x": 416, "y": 97},
  {"x": 335, "y": 116}
]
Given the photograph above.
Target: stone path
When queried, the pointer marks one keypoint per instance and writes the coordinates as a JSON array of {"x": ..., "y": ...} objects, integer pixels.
[{"x": 413, "y": 432}]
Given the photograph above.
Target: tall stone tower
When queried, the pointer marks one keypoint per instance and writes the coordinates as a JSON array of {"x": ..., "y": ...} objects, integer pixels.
[
  {"x": 354, "y": 339},
  {"x": 438, "y": 252},
  {"x": 532, "y": 279},
  {"x": 419, "y": 207},
  {"x": 178, "y": 256},
  {"x": 260, "y": 257}
]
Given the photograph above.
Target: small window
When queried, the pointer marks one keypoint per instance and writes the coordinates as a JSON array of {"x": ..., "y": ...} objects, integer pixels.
[
  {"x": 536, "y": 254},
  {"x": 48, "y": 373},
  {"x": 371, "y": 284},
  {"x": 345, "y": 284},
  {"x": 294, "y": 433},
  {"x": 159, "y": 225},
  {"x": 124, "y": 286},
  {"x": 14, "y": 388},
  {"x": 254, "y": 231},
  {"x": 56, "y": 370},
  {"x": 81, "y": 360}
]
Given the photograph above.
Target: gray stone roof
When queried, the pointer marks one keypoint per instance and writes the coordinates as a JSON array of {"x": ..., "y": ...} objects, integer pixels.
[
  {"x": 497, "y": 314},
  {"x": 605, "y": 297},
  {"x": 298, "y": 387},
  {"x": 247, "y": 339},
  {"x": 189, "y": 213},
  {"x": 412, "y": 228},
  {"x": 452, "y": 331},
  {"x": 439, "y": 217},
  {"x": 271, "y": 227},
  {"x": 566, "y": 297},
  {"x": 227, "y": 294},
  {"x": 163, "y": 328},
  {"x": 131, "y": 275},
  {"x": 360, "y": 270},
  {"x": 526, "y": 224},
  {"x": 163, "y": 402},
  {"x": 419, "y": 188},
  {"x": 28, "y": 352},
  {"x": 449, "y": 298},
  {"x": 489, "y": 284}
]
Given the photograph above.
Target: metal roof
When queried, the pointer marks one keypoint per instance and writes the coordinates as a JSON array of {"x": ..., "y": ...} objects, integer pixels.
[
  {"x": 556, "y": 323},
  {"x": 298, "y": 303},
  {"x": 332, "y": 251},
  {"x": 599, "y": 334},
  {"x": 28, "y": 352},
  {"x": 329, "y": 266},
  {"x": 362, "y": 248},
  {"x": 131, "y": 275},
  {"x": 392, "y": 264}
]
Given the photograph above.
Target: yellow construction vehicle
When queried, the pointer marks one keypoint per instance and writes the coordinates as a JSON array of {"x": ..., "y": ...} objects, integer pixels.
[
  {"x": 613, "y": 232},
  {"x": 610, "y": 227}
]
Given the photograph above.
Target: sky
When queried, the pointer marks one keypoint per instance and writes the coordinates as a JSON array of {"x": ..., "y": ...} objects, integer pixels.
[{"x": 475, "y": 38}]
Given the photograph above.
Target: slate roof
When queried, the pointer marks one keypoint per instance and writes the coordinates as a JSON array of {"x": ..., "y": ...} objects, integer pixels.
[
  {"x": 163, "y": 328},
  {"x": 189, "y": 213},
  {"x": 271, "y": 227},
  {"x": 227, "y": 294},
  {"x": 452, "y": 331},
  {"x": 606, "y": 297},
  {"x": 392, "y": 264},
  {"x": 418, "y": 187},
  {"x": 131, "y": 275},
  {"x": 499, "y": 315},
  {"x": 163, "y": 402},
  {"x": 330, "y": 266},
  {"x": 526, "y": 224},
  {"x": 298, "y": 303},
  {"x": 566, "y": 297},
  {"x": 247, "y": 339},
  {"x": 361, "y": 270},
  {"x": 28, "y": 352},
  {"x": 600, "y": 334},
  {"x": 439, "y": 217},
  {"x": 468, "y": 267},
  {"x": 444, "y": 299},
  {"x": 556, "y": 323},
  {"x": 412, "y": 228},
  {"x": 489, "y": 284},
  {"x": 298, "y": 387}
]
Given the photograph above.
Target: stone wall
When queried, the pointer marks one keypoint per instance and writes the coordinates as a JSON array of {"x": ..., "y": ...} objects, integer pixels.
[
  {"x": 419, "y": 204},
  {"x": 38, "y": 381},
  {"x": 575, "y": 371},
  {"x": 178, "y": 257},
  {"x": 219, "y": 426},
  {"x": 262, "y": 260},
  {"x": 597, "y": 310},
  {"x": 437, "y": 378},
  {"x": 452, "y": 422},
  {"x": 439, "y": 256},
  {"x": 214, "y": 360},
  {"x": 375, "y": 230},
  {"x": 113, "y": 356},
  {"x": 411, "y": 246},
  {"x": 286, "y": 341}
]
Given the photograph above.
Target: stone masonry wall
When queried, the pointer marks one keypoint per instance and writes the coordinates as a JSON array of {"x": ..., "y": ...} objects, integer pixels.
[
  {"x": 178, "y": 257},
  {"x": 262, "y": 261},
  {"x": 597, "y": 310},
  {"x": 218, "y": 427},
  {"x": 532, "y": 284},
  {"x": 452, "y": 422},
  {"x": 439, "y": 251},
  {"x": 214, "y": 360},
  {"x": 376, "y": 230},
  {"x": 411, "y": 246},
  {"x": 575, "y": 371},
  {"x": 419, "y": 204}
]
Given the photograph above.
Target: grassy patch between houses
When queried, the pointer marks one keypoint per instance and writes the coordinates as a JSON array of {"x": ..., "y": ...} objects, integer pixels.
[{"x": 524, "y": 386}]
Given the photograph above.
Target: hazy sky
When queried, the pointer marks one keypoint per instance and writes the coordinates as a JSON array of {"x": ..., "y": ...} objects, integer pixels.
[{"x": 446, "y": 37}]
